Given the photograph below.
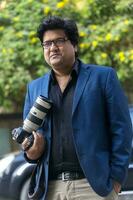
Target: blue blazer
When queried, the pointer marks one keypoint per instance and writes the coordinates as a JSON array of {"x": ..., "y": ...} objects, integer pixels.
[{"x": 102, "y": 129}]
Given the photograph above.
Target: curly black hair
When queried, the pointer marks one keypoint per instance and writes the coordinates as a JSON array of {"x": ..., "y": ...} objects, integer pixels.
[{"x": 54, "y": 22}]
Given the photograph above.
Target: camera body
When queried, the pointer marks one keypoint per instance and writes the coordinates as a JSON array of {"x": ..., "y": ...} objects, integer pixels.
[{"x": 33, "y": 121}]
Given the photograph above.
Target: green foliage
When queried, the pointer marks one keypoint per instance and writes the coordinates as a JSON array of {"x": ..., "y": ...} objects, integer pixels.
[{"x": 105, "y": 38}]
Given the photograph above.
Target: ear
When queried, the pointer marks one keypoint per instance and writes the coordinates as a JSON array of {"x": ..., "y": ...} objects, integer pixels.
[{"x": 75, "y": 48}]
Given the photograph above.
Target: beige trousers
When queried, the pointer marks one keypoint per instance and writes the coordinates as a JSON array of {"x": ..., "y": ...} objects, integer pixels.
[{"x": 75, "y": 190}]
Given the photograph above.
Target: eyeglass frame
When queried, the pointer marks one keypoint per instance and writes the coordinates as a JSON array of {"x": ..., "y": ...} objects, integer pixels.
[{"x": 62, "y": 40}]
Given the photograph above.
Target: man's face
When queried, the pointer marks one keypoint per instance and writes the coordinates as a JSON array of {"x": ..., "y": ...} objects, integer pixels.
[{"x": 58, "y": 54}]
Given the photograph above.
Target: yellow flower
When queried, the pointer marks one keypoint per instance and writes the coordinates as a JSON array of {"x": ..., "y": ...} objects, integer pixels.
[
  {"x": 82, "y": 34},
  {"x": 34, "y": 40},
  {"x": 108, "y": 37},
  {"x": 117, "y": 38},
  {"x": 131, "y": 57},
  {"x": 94, "y": 43},
  {"x": 16, "y": 19},
  {"x": 4, "y": 51},
  {"x": 32, "y": 33},
  {"x": 66, "y": 1},
  {"x": 46, "y": 10},
  {"x": 19, "y": 34},
  {"x": 126, "y": 21},
  {"x": 100, "y": 39},
  {"x": 11, "y": 51},
  {"x": 93, "y": 27},
  {"x": 121, "y": 53},
  {"x": 82, "y": 45},
  {"x": 131, "y": 51},
  {"x": 1, "y": 28},
  {"x": 104, "y": 55},
  {"x": 121, "y": 56},
  {"x": 131, "y": 54},
  {"x": 60, "y": 4}
]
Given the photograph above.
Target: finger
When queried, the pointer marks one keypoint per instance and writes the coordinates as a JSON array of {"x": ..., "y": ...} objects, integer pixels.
[
  {"x": 37, "y": 133},
  {"x": 117, "y": 187},
  {"x": 34, "y": 134},
  {"x": 35, "y": 137},
  {"x": 25, "y": 141}
]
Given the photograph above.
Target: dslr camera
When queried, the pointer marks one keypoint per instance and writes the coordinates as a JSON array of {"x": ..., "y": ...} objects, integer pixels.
[{"x": 33, "y": 121}]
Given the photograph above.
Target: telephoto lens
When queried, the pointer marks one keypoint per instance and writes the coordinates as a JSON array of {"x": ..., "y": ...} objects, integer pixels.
[{"x": 33, "y": 121}]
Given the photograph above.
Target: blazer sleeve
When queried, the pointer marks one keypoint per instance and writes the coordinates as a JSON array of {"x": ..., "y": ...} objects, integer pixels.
[{"x": 120, "y": 127}]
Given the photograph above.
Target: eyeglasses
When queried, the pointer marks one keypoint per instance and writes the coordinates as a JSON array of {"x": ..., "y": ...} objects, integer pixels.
[{"x": 58, "y": 42}]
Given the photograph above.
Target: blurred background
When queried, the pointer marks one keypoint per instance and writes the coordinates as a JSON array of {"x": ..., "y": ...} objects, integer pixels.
[{"x": 106, "y": 38}]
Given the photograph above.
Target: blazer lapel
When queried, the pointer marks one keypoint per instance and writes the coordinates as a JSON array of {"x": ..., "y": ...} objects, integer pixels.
[
  {"x": 45, "y": 85},
  {"x": 84, "y": 74}
]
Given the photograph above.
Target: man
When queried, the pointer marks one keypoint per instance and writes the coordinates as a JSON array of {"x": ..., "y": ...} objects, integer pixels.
[{"x": 85, "y": 142}]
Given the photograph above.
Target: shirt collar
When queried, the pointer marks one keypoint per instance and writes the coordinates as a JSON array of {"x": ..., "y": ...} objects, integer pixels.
[{"x": 74, "y": 72}]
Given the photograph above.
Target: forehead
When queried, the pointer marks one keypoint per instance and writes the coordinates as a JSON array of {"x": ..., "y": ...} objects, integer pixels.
[{"x": 53, "y": 34}]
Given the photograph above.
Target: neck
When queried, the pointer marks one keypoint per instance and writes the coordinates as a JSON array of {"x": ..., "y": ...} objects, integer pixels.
[
  {"x": 63, "y": 70},
  {"x": 61, "y": 73},
  {"x": 62, "y": 79}
]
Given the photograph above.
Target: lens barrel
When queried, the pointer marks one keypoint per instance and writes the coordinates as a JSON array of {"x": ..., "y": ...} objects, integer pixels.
[{"x": 34, "y": 119}]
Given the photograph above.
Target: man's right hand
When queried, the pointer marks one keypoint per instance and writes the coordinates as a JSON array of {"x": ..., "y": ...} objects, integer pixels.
[{"x": 37, "y": 148}]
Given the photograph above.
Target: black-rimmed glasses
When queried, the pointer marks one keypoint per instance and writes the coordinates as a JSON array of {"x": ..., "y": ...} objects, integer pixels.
[{"x": 58, "y": 42}]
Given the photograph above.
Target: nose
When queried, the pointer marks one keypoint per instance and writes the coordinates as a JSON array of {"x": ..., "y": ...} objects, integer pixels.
[{"x": 53, "y": 46}]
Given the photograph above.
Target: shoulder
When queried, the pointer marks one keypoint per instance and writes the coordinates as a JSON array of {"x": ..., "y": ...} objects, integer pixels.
[
  {"x": 99, "y": 71},
  {"x": 40, "y": 80},
  {"x": 97, "y": 68}
]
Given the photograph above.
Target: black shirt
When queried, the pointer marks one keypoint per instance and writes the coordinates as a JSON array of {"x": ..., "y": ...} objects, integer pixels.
[{"x": 63, "y": 155}]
